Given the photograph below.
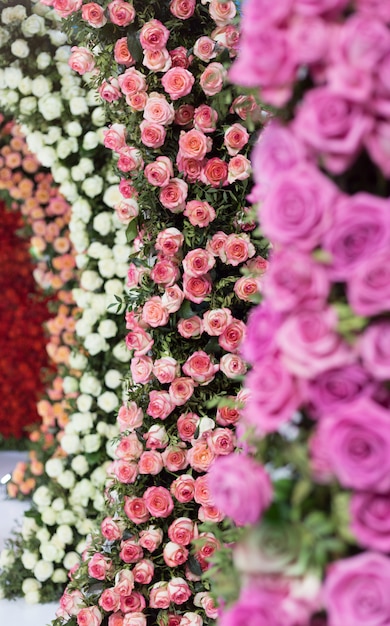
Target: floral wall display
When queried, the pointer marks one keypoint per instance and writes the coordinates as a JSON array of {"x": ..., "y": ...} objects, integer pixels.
[
  {"x": 317, "y": 416},
  {"x": 180, "y": 135},
  {"x": 63, "y": 127}
]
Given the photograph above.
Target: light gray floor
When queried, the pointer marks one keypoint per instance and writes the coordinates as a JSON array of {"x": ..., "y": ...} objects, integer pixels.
[{"x": 17, "y": 612}]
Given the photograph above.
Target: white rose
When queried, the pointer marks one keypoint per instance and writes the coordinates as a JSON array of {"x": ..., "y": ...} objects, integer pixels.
[
  {"x": 99, "y": 475},
  {"x": 57, "y": 38},
  {"x": 122, "y": 269},
  {"x": 33, "y": 25},
  {"x": 98, "y": 303},
  {"x": 46, "y": 155},
  {"x": 40, "y": 86},
  {"x": 78, "y": 361},
  {"x": 95, "y": 250},
  {"x": 121, "y": 353},
  {"x": 7, "y": 558},
  {"x": 12, "y": 77},
  {"x": 108, "y": 401},
  {"x": 28, "y": 105},
  {"x": 13, "y": 14},
  {"x": 30, "y": 584},
  {"x": 58, "y": 505},
  {"x": 102, "y": 429},
  {"x": 91, "y": 443},
  {"x": 82, "y": 422},
  {"x": 120, "y": 237},
  {"x": 25, "y": 86},
  {"x": 66, "y": 517},
  {"x": 107, "y": 268},
  {"x": 42, "y": 496},
  {"x": 84, "y": 489},
  {"x": 91, "y": 280},
  {"x": 53, "y": 134},
  {"x": 64, "y": 533},
  {"x": 70, "y": 384},
  {"x": 32, "y": 597},
  {"x": 67, "y": 478},
  {"x": 76, "y": 174},
  {"x": 79, "y": 239},
  {"x": 29, "y": 527},
  {"x": 86, "y": 165},
  {"x": 9, "y": 98},
  {"x": 4, "y": 36},
  {"x": 90, "y": 384},
  {"x": 50, "y": 552},
  {"x": 82, "y": 328},
  {"x": 95, "y": 343},
  {"x": 112, "y": 196},
  {"x": 20, "y": 49},
  {"x": 113, "y": 379},
  {"x": 70, "y": 560},
  {"x": 49, "y": 516},
  {"x": 114, "y": 287},
  {"x": 84, "y": 402},
  {"x": 54, "y": 467},
  {"x": 80, "y": 465},
  {"x": 82, "y": 209},
  {"x": 205, "y": 424},
  {"x": 43, "y": 570},
  {"x": 43, "y": 535},
  {"x": 78, "y": 105},
  {"x": 59, "y": 173},
  {"x": 59, "y": 576},
  {"x": 73, "y": 128},
  {"x": 43, "y": 60},
  {"x": 98, "y": 502},
  {"x": 85, "y": 527},
  {"x": 29, "y": 559},
  {"x": 50, "y": 106},
  {"x": 91, "y": 316},
  {"x": 92, "y": 186},
  {"x": 62, "y": 54},
  {"x": 98, "y": 116},
  {"x": 91, "y": 140},
  {"x": 70, "y": 444},
  {"x": 107, "y": 329},
  {"x": 121, "y": 253},
  {"x": 66, "y": 147}
]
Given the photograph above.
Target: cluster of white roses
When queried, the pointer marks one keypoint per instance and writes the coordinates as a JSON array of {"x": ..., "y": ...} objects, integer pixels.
[{"x": 55, "y": 109}]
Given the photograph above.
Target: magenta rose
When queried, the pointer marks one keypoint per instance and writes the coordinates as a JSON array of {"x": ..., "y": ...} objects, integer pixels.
[
  {"x": 360, "y": 230},
  {"x": 310, "y": 344},
  {"x": 240, "y": 488},
  {"x": 370, "y": 520},
  {"x": 261, "y": 329},
  {"x": 336, "y": 387},
  {"x": 356, "y": 590},
  {"x": 298, "y": 206},
  {"x": 374, "y": 349},
  {"x": 368, "y": 287},
  {"x": 357, "y": 440},
  {"x": 274, "y": 395}
]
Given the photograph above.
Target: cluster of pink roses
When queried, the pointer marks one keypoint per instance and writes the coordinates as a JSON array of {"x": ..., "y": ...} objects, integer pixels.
[{"x": 319, "y": 342}]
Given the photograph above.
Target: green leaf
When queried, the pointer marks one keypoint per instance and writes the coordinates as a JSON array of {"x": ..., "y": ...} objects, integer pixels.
[
  {"x": 131, "y": 231},
  {"x": 134, "y": 45},
  {"x": 185, "y": 310}
]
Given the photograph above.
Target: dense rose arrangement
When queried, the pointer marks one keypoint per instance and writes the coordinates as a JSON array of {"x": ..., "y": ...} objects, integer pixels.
[
  {"x": 318, "y": 405},
  {"x": 181, "y": 137}
]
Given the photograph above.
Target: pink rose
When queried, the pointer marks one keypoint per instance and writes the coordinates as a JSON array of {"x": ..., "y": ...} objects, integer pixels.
[
  {"x": 116, "y": 619},
  {"x": 190, "y": 327},
  {"x": 126, "y": 188},
  {"x": 110, "y": 600},
  {"x": 81, "y": 60},
  {"x": 187, "y": 425},
  {"x": 174, "y": 554},
  {"x": 150, "y": 462},
  {"x": 137, "y": 101},
  {"x": 205, "y": 119},
  {"x": 205, "y": 49},
  {"x": 174, "y": 195},
  {"x": 191, "y": 619},
  {"x": 175, "y": 458},
  {"x": 169, "y": 241},
  {"x": 136, "y": 510},
  {"x": 184, "y": 114},
  {"x": 216, "y": 243},
  {"x": 200, "y": 456},
  {"x": 182, "y": 531},
  {"x": 355, "y": 590},
  {"x": 222, "y": 12},
  {"x": 182, "y": 9},
  {"x": 206, "y": 602},
  {"x": 165, "y": 272},
  {"x": 129, "y": 447},
  {"x": 374, "y": 349},
  {"x": 239, "y": 168},
  {"x": 159, "y": 172},
  {"x": 232, "y": 336},
  {"x": 213, "y": 78},
  {"x": 130, "y": 159},
  {"x": 199, "y": 213},
  {"x": 333, "y": 126},
  {"x": 127, "y": 210},
  {"x": 180, "y": 57},
  {"x": 228, "y": 415},
  {"x": 115, "y": 137},
  {"x": 160, "y": 404},
  {"x": 235, "y": 138},
  {"x": 131, "y": 551},
  {"x": 336, "y": 387},
  {"x": 135, "y": 619},
  {"x": 232, "y": 366},
  {"x": 157, "y": 60},
  {"x": 172, "y": 298},
  {"x": 193, "y": 144},
  {"x": 181, "y": 390},
  {"x": 131, "y": 82},
  {"x": 143, "y": 571},
  {"x": 111, "y": 530},
  {"x": 358, "y": 445},
  {"x": 198, "y": 262},
  {"x": 156, "y": 437},
  {"x": 166, "y": 369},
  {"x": 89, "y": 616},
  {"x": 71, "y": 602},
  {"x": 179, "y": 591},
  {"x": 152, "y": 134},
  {"x": 122, "y": 54},
  {"x": 200, "y": 367},
  {"x": 215, "y": 172},
  {"x": 178, "y": 82},
  {"x": 124, "y": 582},
  {"x": 246, "y": 107},
  {"x": 109, "y": 90},
  {"x": 154, "y": 35},
  {"x": 64, "y": 8},
  {"x": 261, "y": 331},
  {"x": 368, "y": 287},
  {"x": 370, "y": 520},
  {"x": 151, "y": 538},
  {"x": 139, "y": 341},
  {"x": 377, "y": 144},
  {"x": 246, "y": 288},
  {"x": 210, "y": 513},
  {"x": 121, "y": 13},
  {"x": 93, "y": 14},
  {"x": 158, "y": 110},
  {"x": 191, "y": 168},
  {"x": 125, "y": 471},
  {"x": 202, "y": 491},
  {"x": 196, "y": 288},
  {"x": 99, "y": 566},
  {"x": 240, "y": 488},
  {"x": 130, "y": 416},
  {"x": 159, "y": 597},
  {"x": 154, "y": 313},
  {"x": 183, "y": 488},
  {"x": 237, "y": 249},
  {"x": 158, "y": 501},
  {"x": 141, "y": 369}
]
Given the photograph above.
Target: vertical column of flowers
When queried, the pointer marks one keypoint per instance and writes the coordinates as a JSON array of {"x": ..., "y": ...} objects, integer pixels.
[
  {"x": 318, "y": 410},
  {"x": 180, "y": 135}
]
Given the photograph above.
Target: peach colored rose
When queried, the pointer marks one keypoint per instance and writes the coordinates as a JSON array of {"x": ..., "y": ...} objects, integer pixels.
[
  {"x": 187, "y": 425},
  {"x": 143, "y": 572},
  {"x": 182, "y": 9},
  {"x": 153, "y": 35},
  {"x": 174, "y": 555},
  {"x": 202, "y": 491},
  {"x": 141, "y": 369},
  {"x": 213, "y": 78},
  {"x": 156, "y": 437},
  {"x": 216, "y": 243},
  {"x": 193, "y": 144},
  {"x": 158, "y": 501},
  {"x": 233, "y": 336},
  {"x": 158, "y": 110},
  {"x": 110, "y": 600},
  {"x": 228, "y": 415},
  {"x": 246, "y": 288},
  {"x": 222, "y": 12},
  {"x": 137, "y": 101},
  {"x": 205, "y": 49},
  {"x": 150, "y": 462},
  {"x": 169, "y": 241},
  {"x": 174, "y": 195},
  {"x": 237, "y": 249},
  {"x": 116, "y": 619},
  {"x": 160, "y": 404},
  {"x": 151, "y": 538},
  {"x": 154, "y": 313},
  {"x": 184, "y": 114},
  {"x": 200, "y": 456},
  {"x": 190, "y": 327},
  {"x": 200, "y": 367},
  {"x": 182, "y": 531},
  {"x": 198, "y": 262},
  {"x": 157, "y": 60},
  {"x": 136, "y": 510},
  {"x": 122, "y": 54},
  {"x": 175, "y": 458},
  {"x": 130, "y": 416},
  {"x": 179, "y": 591},
  {"x": 172, "y": 298},
  {"x": 132, "y": 81},
  {"x": 121, "y": 13},
  {"x": 199, "y": 213},
  {"x": 81, "y": 60},
  {"x": 215, "y": 172},
  {"x": 159, "y": 172},
  {"x": 93, "y": 14},
  {"x": 178, "y": 82},
  {"x": 166, "y": 369},
  {"x": 232, "y": 365},
  {"x": 159, "y": 597},
  {"x": 183, "y": 488},
  {"x": 216, "y": 320},
  {"x": 89, "y": 616},
  {"x": 181, "y": 390},
  {"x": 115, "y": 137},
  {"x": 152, "y": 134},
  {"x": 196, "y": 288},
  {"x": 165, "y": 272},
  {"x": 235, "y": 138}
]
